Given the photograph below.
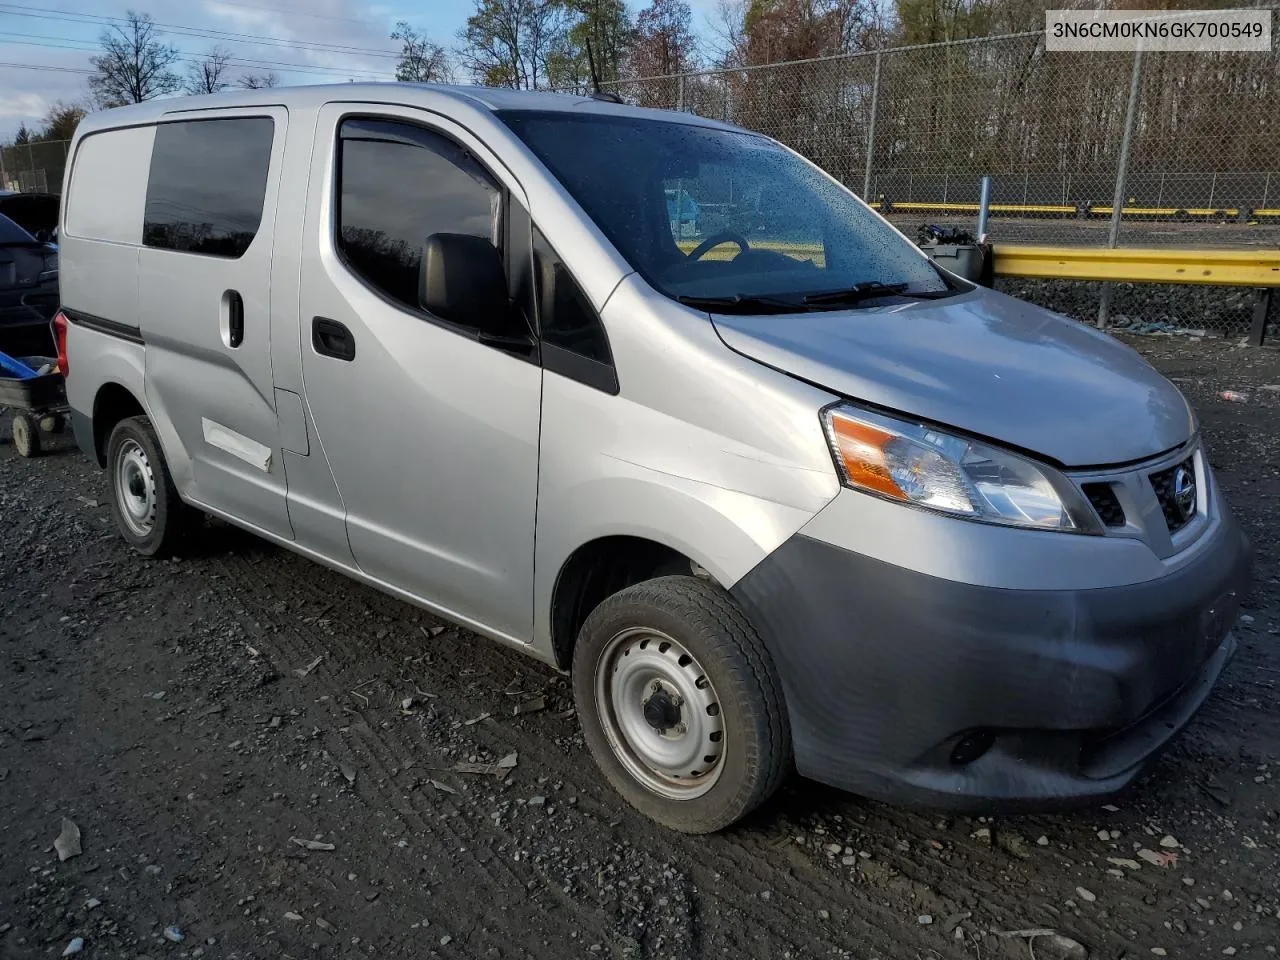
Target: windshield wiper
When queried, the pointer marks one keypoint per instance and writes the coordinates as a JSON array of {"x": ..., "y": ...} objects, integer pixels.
[
  {"x": 744, "y": 303},
  {"x": 870, "y": 290}
]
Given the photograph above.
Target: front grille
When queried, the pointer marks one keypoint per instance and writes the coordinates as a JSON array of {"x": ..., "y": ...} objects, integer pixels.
[
  {"x": 1165, "y": 483},
  {"x": 1103, "y": 498}
]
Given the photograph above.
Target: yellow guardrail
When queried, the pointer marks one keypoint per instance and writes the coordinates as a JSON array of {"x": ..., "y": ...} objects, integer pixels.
[
  {"x": 1134, "y": 211},
  {"x": 1237, "y": 268},
  {"x": 948, "y": 207}
]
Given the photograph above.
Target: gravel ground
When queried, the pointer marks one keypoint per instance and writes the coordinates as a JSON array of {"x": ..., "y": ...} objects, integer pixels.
[{"x": 261, "y": 758}]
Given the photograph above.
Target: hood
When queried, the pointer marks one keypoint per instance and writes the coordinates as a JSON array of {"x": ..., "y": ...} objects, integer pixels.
[{"x": 984, "y": 363}]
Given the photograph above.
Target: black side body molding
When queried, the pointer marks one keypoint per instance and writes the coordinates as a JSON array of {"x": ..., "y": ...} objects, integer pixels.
[{"x": 102, "y": 325}]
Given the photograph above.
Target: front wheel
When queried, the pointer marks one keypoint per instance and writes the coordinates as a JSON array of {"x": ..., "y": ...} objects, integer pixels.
[
  {"x": 680, "y": 703},
  {"x": 147, "y": 509}
]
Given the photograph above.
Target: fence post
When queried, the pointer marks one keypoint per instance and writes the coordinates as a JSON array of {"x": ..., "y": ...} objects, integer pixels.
[
  {"x": 680, "y": 95},
  {"x": 984, "y": 208},
  {"x": 5, "y": 180},
  {"x": 1261, "y": 307},
  {"x": 1122, "y": 174},
  {"x": 871, "y": 131}
]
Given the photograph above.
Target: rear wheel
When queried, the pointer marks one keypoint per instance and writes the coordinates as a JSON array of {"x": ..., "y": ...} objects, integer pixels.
[
  {"x": 26, "y": 438},
  {"x": 150, "y": 514},
  {"x": 680, "y": 703}
]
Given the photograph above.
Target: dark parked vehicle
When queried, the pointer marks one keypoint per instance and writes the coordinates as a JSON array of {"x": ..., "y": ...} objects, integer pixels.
[
  {"x": 28, "y": 292},
  {"x": 36, "y": 213}
]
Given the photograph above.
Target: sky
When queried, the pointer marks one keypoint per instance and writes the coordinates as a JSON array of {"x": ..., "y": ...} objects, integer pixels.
[{"x": 45, "y": 45}]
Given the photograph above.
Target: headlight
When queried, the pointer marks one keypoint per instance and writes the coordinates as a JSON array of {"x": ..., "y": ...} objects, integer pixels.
[{"x": 922, "y": 465}]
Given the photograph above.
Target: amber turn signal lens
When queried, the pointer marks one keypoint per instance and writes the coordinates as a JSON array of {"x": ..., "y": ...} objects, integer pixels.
[{"x": 861, "y": 449}]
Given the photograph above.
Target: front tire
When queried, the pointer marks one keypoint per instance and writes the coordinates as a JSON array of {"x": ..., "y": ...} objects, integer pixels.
[
  {"x": 146, "y": 506},
  {"x": 680, "y": 703}
]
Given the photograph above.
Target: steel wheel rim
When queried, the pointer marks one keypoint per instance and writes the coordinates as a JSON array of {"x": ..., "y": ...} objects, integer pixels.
[
  {"x": 642, "y": 676},
  {"x": 135, "y": 488}
]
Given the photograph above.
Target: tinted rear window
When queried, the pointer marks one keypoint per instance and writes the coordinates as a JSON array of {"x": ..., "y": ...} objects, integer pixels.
[{"x": 207, "y": 185}]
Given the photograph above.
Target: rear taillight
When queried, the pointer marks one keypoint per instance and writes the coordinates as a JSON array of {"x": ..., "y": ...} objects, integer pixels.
[{"x": 60, "y": 337}]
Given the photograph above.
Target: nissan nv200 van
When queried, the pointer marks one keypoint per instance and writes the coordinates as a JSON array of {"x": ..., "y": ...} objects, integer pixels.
[{"x": 777, "y": 490}]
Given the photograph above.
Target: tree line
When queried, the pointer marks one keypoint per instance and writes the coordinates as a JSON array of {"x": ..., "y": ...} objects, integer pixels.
[{"x": 1002, "y": 104}]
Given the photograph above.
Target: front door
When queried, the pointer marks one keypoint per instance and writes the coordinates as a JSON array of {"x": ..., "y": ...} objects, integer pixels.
[
  {"x": 204, "y": 275},
  {"x": 432, "y": 435}
]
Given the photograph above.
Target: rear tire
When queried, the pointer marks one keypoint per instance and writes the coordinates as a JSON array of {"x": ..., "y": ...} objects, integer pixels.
[
  {"x": 26, "y": 436},
  {"x": 680, "y": 703},
  {"x": 148, "y": 511}
]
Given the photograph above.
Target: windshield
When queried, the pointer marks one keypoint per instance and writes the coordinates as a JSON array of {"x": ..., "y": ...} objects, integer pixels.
[{"x": 709, "y": 214}]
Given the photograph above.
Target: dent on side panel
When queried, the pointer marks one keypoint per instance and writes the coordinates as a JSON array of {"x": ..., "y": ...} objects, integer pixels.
[{"x": 703, "y": 451}]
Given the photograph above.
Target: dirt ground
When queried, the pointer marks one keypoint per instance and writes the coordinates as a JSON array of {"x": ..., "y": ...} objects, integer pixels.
[{"x": 167, "y": 709}]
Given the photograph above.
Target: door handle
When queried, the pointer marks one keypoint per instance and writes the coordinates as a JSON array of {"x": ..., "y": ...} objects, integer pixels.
[
  {"x": 235, "y": 319},
  {"x": 330, "y": 338}
]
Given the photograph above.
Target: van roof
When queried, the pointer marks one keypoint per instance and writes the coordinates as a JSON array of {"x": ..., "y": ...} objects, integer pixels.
[{"x": 411, "y": 94}]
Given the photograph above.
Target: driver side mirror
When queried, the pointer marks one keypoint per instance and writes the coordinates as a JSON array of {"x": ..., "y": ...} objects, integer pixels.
[{"x": 462, "y": 280}]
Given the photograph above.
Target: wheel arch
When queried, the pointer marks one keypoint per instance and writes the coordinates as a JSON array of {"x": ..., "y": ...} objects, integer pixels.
[
  {"x": 112, "y": 403},
  {"x": 600, "y": 568},
  {"x": 720, "y": 533}
]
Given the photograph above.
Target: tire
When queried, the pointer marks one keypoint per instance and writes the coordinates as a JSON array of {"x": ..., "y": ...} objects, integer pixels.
[
  {"x": 26, "y": 436},
  {"x": 54, "y": 423},
  {"x": 680, "y": 703},
  {"x": 148, "y": 511}
]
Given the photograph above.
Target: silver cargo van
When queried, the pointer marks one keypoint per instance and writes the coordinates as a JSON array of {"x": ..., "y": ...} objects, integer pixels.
[{"x": 659, "y": 402}]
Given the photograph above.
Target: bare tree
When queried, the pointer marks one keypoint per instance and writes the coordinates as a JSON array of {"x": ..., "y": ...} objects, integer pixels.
[
  {"x": 134, "y": 66},
  {"x": 505, "y": 43},
  {"x": 664, "y": 42},
  {"x": 421, "y": 61},
  {"x": 259, "y": 81},
  {"x": 208, "y": 75}
]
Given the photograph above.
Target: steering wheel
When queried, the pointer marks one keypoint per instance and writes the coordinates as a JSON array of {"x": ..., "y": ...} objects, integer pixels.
[{"x": 713, "y": 241}]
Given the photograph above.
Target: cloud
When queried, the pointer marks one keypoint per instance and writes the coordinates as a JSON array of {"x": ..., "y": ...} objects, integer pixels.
[{"x": 20, "y": 107}]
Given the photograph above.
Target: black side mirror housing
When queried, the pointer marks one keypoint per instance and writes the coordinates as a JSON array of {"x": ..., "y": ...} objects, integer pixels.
[{"x": 463, "y": 281}]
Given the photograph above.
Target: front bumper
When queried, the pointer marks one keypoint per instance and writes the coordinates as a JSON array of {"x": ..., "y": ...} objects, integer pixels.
[{"x": 886, "y": 670}]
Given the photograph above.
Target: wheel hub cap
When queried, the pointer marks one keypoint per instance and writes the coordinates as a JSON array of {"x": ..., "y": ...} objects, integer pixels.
[{"x": 660, "y": 713}]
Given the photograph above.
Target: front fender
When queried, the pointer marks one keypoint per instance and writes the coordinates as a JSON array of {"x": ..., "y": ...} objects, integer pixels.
[{"x": 726, "y": 532}]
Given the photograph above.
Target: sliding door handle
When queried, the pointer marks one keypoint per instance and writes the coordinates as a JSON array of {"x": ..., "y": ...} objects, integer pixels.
[
  {"x": 235, "y": 318},
  {"x": 329, "y": 338}
]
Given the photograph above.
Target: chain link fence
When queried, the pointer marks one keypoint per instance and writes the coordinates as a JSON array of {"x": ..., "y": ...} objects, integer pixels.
[
  {"x": 914, "y": 129},
  {"x": 33, "y": 167}
]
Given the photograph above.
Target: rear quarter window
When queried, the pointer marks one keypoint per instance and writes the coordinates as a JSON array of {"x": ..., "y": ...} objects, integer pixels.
[
  {"x": 108, "y": 185},
  {"x": 207, "y": 186}
]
